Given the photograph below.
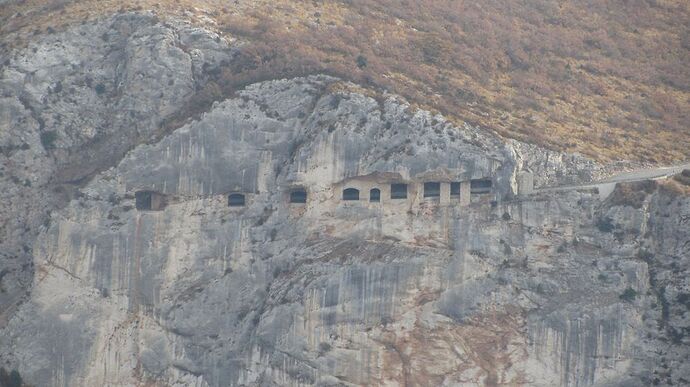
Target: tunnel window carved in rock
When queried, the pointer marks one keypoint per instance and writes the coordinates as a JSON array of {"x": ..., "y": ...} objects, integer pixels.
[
  {"x": 480, "y": 186},
  {"x": 432, "y": 189},
  {"x": 149, "y": 200},
  {"x": 398, "y": 191},
  {"x": 350, "y": 194},
  {"x": 375, "y": 195},
  {"x": 236, "y": 200},
  {"x": 298, "y": 196},
  {"x": 455, "y": 188}
]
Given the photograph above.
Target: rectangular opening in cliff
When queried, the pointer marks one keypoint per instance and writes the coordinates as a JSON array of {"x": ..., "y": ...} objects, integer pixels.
[
  {"x": 455, "y": 188},
  {"x": 350, "y": 194},
  {"x": 236, "y": 200},
  {"x": 432, "y": 189},
  {"x": 298, "y": 196},
  {"x": 398, "y": 191},
  {"x": 480, "y": 186},
  {"x": 149, "y": 200},
  {"x": 375, "y": 195}
]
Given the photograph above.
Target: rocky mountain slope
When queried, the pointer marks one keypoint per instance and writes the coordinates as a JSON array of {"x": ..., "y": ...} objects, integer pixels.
[
  {"x": 72, "y": 106},
  {"x": 608, "y": 79},
  {"x": 511, "y": 287}
]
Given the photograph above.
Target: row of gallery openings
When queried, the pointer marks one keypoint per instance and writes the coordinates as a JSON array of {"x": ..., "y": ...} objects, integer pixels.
[
  {"x": 432, "y": 189},
  {"x": 151, "y": 200}
]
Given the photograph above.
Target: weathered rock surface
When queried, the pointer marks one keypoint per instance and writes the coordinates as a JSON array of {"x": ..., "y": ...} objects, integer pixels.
[
  {"x": 72, "y": 104},
  {"x": 553, "y": 288}
]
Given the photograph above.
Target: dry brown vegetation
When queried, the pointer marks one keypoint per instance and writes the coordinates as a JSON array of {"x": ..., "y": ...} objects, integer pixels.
[
  {"x": 608, "y": 78},
  {"x": 632, "y": 194}
]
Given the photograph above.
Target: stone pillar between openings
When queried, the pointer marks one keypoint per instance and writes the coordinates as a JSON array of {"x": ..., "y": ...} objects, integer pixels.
[
  {"x": 444, "y": 200},
  {"x": 385, "y": 193},
  {"x": 465, "y": 193}
]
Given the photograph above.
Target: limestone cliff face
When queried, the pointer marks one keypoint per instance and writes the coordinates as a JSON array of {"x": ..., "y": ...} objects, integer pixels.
[
  {"x": 72, "y": 104},
  {"x": 551, "y": 288}
]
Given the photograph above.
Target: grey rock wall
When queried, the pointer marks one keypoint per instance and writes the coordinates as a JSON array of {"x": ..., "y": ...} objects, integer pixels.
[
  {"x": 552, "y": 288},
  {"x": 72, "y": 104}
]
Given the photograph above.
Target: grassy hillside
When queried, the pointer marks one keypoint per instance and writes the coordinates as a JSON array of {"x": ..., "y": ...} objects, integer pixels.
[{"x": 608, "y": 78}]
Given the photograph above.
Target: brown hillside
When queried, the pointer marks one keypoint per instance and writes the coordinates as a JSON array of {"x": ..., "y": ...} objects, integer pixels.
[{"x": 608, "y": 78}]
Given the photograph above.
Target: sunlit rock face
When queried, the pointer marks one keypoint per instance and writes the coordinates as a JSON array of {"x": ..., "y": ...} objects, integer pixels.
[{"x": 482, "y": 287}]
